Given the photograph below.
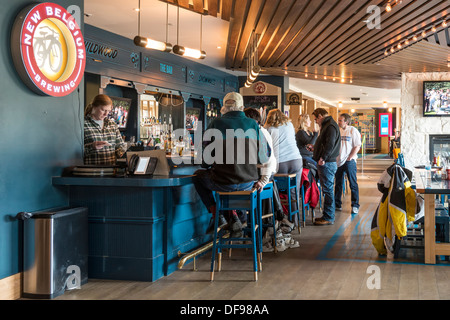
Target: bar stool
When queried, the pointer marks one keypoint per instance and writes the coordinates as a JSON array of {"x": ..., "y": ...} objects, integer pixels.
[
  {"x": 237, "y": 200},
  {"x": 266, "y": 193},
  {"x": 287, "y": 182}
]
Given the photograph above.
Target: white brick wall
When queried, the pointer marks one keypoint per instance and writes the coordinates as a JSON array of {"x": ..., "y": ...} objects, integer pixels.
[{"x": 415, "y": 128}]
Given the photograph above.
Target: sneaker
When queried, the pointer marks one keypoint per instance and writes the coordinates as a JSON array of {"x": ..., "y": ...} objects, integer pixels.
[
  {"x": 237, "y": 234},
  {"x": 268, "y": 247},
  {"x": 235, "y": 223},
  {"x": 338, "y": 208},
  {"x": 281, "y": 245},
  {"x": 292, "y": 243},
  {"x": 355, "y": 210},
  {"x": 222, "y": 223}
]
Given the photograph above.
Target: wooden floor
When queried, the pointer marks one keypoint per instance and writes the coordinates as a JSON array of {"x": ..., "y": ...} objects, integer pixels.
[{"x": 333, "y": 262}]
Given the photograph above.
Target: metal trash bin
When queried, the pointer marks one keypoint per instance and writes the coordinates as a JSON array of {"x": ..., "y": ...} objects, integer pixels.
[{"x": 55, "y": 252}]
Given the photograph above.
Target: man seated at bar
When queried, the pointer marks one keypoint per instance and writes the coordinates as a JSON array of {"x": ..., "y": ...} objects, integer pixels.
[
  {"x": 103, "y": 143},
  {"x": 230, "y": 155}
]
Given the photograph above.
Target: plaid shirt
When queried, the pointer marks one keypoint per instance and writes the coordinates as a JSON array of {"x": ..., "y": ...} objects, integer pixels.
[{"x": 107, "y": 155}]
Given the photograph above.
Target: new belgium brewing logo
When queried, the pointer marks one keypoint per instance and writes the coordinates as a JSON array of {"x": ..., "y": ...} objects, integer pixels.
[{"x": 48, "y": 49}]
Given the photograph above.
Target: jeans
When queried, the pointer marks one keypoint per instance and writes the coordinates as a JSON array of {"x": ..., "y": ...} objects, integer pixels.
[
  {"x": 326, "y": 177},
  {"x": 349, "y": 168},
  {"x": 205, "y": 186},
  {"x": 293, "y": 166}
]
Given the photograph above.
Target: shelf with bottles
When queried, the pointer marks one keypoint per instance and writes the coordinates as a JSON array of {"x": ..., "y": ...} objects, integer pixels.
[{"x": 212, "y": 111}]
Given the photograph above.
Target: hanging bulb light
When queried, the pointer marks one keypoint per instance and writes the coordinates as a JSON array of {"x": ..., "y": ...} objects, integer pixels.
[
  {"x": 152, "y": 44},
  {"x": 147, "y": 42},
  {"x": 188, "y": 52},
  {"x": 185, "y": 51},
  {"x": 254, "y": 72},
  {"x": 444, "y": 24}
]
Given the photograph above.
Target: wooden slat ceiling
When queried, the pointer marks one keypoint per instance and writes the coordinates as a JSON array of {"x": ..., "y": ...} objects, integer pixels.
[{"x": 331, "y": 38}]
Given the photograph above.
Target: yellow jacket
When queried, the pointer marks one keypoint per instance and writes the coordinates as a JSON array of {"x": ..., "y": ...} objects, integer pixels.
[{"x": 397, "y": 206}]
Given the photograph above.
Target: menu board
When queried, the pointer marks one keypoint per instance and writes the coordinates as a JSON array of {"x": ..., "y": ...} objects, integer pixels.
[{"x": 271, "y": 102}]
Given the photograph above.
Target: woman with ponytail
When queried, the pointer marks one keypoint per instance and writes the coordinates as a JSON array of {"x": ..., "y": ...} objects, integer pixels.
[{"x": 103, "y": 143}]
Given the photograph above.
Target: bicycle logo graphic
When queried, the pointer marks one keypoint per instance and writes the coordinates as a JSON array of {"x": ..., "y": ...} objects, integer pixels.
[{"x": 48, "y": 49}]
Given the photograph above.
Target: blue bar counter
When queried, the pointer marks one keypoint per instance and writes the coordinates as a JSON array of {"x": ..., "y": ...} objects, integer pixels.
[{"x": 138, "y": 225}]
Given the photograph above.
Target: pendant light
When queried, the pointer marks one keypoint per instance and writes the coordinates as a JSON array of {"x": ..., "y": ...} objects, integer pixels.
[
  {"x": 185, "y": 51},
  {"x": 150, "y": 43}
]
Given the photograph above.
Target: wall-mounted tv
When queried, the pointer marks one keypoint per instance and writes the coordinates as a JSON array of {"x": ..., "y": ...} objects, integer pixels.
[
  {"x": 436, "y": 98},
  {"x": 120, "y": 111}
]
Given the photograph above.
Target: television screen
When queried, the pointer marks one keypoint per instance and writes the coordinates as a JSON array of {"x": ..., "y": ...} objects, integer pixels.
[
  {"x": 120, "y": 111},
  {"x": 192, "y": 118},
  {"x": 436, "y": 98}
]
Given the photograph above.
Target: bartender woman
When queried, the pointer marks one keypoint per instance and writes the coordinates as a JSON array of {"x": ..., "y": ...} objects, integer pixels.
[{"x": 103, "y": 143}]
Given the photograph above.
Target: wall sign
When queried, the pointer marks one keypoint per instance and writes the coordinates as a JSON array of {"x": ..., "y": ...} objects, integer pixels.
[
  {"x": 259, "y": 87},
  {"x": 48, "y": 49}
]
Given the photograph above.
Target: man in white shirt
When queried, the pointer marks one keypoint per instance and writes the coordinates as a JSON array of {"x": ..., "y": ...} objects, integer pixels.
[{"x": 346, "y": 162}]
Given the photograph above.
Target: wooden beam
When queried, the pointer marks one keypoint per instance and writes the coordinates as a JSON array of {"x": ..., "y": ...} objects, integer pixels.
[
  {"x": 198, "y": 6},
  {"x": 289, "y": 42},
  {"x": 235, "y": 32},
  {"x": 405, "y": 22},
  {"x": 274, "y": 24},
  {"x": 212, "y": 7},
  {"x": 359, "y": 35},
  {"x": 286, "y": 28},
  {"x": 183, "y": 3},
  {"x": 323, "y": 40},
  {"x": 227, "y": 6},
  {"x": 250, "y": 24},
  {"x": 372, "y": 51}
]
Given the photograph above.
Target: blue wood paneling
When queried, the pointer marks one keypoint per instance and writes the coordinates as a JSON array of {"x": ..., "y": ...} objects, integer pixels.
[
  {"x": 115, "y": 56},
  {"x": 40, "y": 136}
]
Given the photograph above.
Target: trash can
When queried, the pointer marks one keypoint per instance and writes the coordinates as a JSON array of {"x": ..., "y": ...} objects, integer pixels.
[{"x": 55, "y": 252}]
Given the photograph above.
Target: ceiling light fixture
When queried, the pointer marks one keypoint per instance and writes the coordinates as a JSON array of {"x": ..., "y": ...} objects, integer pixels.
[
  {"x": 189, "y": 52},
  {"x": 421, "y": 33},
  {"x": 253, "y": 69},
  {"x": 147, "y": 42}
]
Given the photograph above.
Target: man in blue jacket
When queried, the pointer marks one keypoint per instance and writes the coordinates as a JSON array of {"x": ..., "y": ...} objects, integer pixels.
[
  {"x": 326, "y": 150},
  {"x": 233, "y": 146}
]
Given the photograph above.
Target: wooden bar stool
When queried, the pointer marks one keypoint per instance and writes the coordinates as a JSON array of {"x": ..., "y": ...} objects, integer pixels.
[
  {"x": 237, "y": 200},
  {"x": 266, "y": 193},
  {"x": 287, "y": 182}
]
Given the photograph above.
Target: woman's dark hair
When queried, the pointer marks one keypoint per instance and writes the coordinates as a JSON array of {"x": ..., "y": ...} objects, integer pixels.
[{"x": 253, "y": 114}]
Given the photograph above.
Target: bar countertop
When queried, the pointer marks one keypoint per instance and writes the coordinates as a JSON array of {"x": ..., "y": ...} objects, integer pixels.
[
  {"x": 172, "y": 180},
  {"x": 434, "y": 185}
]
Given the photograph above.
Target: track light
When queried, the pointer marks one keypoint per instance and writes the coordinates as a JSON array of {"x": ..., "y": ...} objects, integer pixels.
[
  {"x": 254, "y": 73},
  {"x": 152, "y": 44},
  {"x": 188, "y": 52}
]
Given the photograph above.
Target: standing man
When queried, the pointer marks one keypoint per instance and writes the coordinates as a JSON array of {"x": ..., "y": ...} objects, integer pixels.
[
  {"x": 346, "y": 162},
  {"x": 326, "y": 150}
]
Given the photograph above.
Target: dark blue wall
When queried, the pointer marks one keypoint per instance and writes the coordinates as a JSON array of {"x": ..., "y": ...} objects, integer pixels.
[{"x": 39, "y": 136}]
